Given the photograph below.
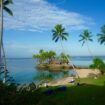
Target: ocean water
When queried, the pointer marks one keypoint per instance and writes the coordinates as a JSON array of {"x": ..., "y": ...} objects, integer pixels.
[{"x": 23, "y": 69}]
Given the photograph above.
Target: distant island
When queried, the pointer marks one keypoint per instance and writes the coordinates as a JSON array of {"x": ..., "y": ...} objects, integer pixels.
[{"x": 49, "y": 60}]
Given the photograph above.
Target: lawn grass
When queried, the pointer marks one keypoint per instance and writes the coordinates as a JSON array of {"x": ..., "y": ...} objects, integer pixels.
[
  {"x": 100, "y": 81},
  {"x": 81, "y": 95},
  {"x": 92, "y": 93}
]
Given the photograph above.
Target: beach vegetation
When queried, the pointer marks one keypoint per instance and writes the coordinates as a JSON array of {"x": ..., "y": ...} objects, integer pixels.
[
  {"x": 98, "y": 64},
  {"x": 50, "y": 60},
  {"x": 49, "y": 57},
  {"x": 101, "y": 35}
]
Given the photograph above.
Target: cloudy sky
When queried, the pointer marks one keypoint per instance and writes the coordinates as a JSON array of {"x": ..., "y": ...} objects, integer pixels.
[{"x": 29, "y": 30}]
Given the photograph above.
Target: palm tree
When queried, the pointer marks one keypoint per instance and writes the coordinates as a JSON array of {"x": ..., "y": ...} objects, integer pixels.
[
  {"x": 3, "y": 6},
  {"x": 51, "y": 56},
  {"x": 101, "y": 36},
  {"x": 59, "y": 34},
  {"x": 64, "y": 58},
  {"x": 85, "y": 38}
]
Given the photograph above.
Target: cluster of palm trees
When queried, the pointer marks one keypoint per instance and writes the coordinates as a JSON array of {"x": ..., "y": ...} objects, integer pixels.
[
  {"x": 59, "y": 34},
  {"x": 50, "y": 57},
  {"x": 3, "y": 7},
  {"x": 86, "y": 36},
  {"x": 44, "y": 56}
]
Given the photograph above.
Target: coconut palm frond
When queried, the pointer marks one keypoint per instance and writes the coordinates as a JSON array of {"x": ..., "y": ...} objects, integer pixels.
[
  {"x": 85, "y": 36},
  {"x": 8, "y": 11},
  {"x": 101, "y": 36},
  {"x": 56, "y": 40},
  {"x": 59, "y": 33},
  {"x": 91, "y": 40}
]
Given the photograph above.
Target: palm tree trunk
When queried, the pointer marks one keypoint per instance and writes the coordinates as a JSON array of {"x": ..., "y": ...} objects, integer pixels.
[
  {"x": 69, "y": 60},
  {"x": 4, "y": 59},
  {"x": 62, "y": 45},
  {"x": 89, "y": 50},
  {"x": 1, "y": 40},
  {"x": 1, "y": 29}
]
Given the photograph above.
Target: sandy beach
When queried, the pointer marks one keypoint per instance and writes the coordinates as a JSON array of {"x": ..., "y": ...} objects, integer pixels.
[{"x": 83, "y": 73}]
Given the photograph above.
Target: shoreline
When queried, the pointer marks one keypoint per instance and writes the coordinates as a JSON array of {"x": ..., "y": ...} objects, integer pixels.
[
  {"x": 83, "y": 73},
  {"x": 58, "y": 67}
]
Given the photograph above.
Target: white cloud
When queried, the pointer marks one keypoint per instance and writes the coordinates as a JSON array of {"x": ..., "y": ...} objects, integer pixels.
[{"x": 39, "y": 15}]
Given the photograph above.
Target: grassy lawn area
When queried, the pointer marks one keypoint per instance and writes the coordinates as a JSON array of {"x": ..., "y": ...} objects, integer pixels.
[
  {"x": 100, "y": 81},
  {"x": 92, "y": 93},
  {"x": 82, "y": 95}
]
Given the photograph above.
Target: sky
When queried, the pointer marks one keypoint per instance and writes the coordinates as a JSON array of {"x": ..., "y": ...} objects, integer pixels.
[{"x": 30, "y": 28}]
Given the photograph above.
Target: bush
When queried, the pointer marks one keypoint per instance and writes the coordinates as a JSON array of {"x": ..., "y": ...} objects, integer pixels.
[
  {"x": 14, "y": 95},
  {"x": 98, "y": 64}
]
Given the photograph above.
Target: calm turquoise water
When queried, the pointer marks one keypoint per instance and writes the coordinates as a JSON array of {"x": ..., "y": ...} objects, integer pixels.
[{"x": 23, "y": 70}]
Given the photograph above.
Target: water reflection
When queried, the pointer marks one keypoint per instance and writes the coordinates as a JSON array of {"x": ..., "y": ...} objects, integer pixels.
[{"x": 48, "y": 75}]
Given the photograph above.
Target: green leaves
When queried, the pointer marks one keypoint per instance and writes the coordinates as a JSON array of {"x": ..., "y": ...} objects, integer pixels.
[
  {"x": 64, "y": 58},
  {"x": 5, "y": 4},
  {"x": 59, "y": 33},
  {"x": 98, "y": 64},
  {"x": 45, "y": 57},
  {"x": 8, "y": 11},
  {"x": 50, "y": 57},
  {"x": 101, "y": 36},
  {"x": 85, "y": 36}
]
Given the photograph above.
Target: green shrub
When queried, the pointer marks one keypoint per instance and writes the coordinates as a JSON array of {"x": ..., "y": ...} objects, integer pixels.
[{"x": 98, "y": 64}]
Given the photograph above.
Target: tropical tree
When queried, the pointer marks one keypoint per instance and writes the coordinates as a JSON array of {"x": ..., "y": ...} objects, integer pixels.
[
  {"x": 101, "y": 35},
  {"x": 51, "y": 56},
  {"x": 37, "y": 57},
  {"x": 98, "y": 64},
  {"x": 85, "y": 38},
  {"x": 64, "y": 58},
  {"x": 3, "y": 6},
  {"x": 59, "y": 34},
  {"x": 44, "y": 57}
]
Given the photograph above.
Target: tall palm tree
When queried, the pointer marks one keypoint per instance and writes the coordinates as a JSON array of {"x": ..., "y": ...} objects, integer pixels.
[
  {"x": 85, "y": 38},
  {"x": 59, "y": 34},
  {"x": 101, "y": 35},
  {"x": 3, "y": 6}
]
